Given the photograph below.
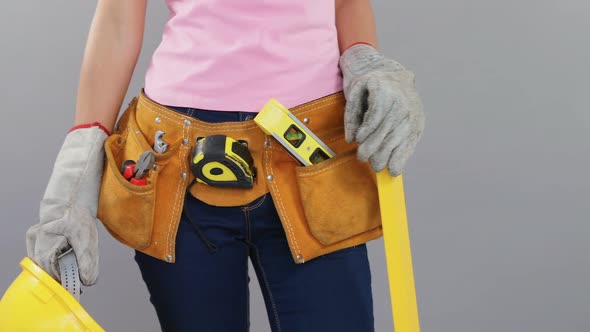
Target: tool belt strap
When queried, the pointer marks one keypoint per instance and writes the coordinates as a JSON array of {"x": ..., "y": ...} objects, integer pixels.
[{"x": 323, "y": 207}]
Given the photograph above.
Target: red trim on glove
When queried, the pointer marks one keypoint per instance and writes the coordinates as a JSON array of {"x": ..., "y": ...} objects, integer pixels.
[
  {"x": 361, "y": 42},
  {"x": 90, "y": 125}
]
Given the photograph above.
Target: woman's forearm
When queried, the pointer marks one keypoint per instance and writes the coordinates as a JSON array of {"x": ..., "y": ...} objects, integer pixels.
[
  {"x": 355, "y": 23},
  {"x": 112, "y": 49}
]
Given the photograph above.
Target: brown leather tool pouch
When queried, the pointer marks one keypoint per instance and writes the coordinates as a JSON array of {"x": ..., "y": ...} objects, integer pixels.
[
  {"x": 330, "y": 205},
  {"x": 127, "y": 210},
  {"x": 325, "y": 207},
  {"x": 146, "y": 218},
  {"x": 339, "y": 198}
]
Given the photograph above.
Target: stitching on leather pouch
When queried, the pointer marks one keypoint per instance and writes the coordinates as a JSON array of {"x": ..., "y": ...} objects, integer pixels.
[
  {"x": 327, "y": 98},
  {"x": 229, "y": 127},
  {"x": 336, "y": 95},
  {"x": 134, "y": 134},
  {"x": 237, "y": 127},
  {"x": 110, "y": 168},
  {"x": 170, "y": 239},
  {"x": 141, "y": 193},
  {"x": 179, "y": 186},
  {"x": 179, "y": 121},
  {"x": 327, "y": 168},
  {"x": 149, "y": 108},
  {"x": 174, "y": 211},
  {"x": 234, "y": 127},
  {"x": 137, "y": 140},
  {"x": 282, "y": 208},
  {"x": 181, "y": 192},
  {"x": 318, "y": 108}
]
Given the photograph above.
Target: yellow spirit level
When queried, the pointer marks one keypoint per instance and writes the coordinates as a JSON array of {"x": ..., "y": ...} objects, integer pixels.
[
  {"x": 276, "y": 120},
  {"x": 222, "y": 161}
]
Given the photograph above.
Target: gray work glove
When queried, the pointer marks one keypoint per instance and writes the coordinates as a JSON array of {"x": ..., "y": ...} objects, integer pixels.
[
  {"x": 69, "y": 206},
  {"x": 383, "y": 110}
]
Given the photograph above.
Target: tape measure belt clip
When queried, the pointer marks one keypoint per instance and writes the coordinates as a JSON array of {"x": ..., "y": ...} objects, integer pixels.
[{"x": 221, "y": 161}]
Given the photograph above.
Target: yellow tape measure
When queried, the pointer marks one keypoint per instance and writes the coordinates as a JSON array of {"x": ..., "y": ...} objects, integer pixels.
[
  {"x": 222, "y": 161},
  {"x": 276, "y": 120}
]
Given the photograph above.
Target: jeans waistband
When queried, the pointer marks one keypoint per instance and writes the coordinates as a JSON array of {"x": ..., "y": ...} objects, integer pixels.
[{"x": 214, "y": 116}]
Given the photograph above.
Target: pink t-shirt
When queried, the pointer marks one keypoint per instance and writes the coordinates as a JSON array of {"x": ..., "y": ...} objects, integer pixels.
[{"x": 234, "y": 55}]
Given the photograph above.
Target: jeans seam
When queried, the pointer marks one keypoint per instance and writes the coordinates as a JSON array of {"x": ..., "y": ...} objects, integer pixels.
[
  {"x": 267, "y": 288},
  {"x": 248, "y": 298},
  {"x": 250, "y": 208},
  {"x": 247, "y": 225},
  {"x": 249, "y": 228},
  {"x": 248, "y": 245}
]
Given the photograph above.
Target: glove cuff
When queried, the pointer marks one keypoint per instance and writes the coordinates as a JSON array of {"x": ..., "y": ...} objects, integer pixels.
[
  {"x": 361, "y": 58},
  {"x": 77, "y": 172},
  {"x": 359, "y": 43},
  {"x": 89, "y": 125}
]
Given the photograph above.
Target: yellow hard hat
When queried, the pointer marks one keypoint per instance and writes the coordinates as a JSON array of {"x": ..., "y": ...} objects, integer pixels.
[{"x": 37, "y": 302}]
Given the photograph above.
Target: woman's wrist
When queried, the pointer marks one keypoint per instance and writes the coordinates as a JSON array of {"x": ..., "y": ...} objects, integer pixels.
[{"x": 358, "y": 43}]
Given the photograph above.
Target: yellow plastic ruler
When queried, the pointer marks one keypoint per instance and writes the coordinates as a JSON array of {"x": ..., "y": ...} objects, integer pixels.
[{"x": 398, "y": 252}]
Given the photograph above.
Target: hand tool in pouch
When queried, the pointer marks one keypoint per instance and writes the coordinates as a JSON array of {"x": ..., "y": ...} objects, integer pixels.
[
  {"x": 276, "y": 120},
  {"x": 159, "y": 145},
  {"x": 136, "y": 172},
  {"x": 144, "y": 164},
  {"x": 219, "y": 160}
]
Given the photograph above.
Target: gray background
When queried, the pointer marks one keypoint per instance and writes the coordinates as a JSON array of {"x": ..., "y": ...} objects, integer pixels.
[{"x": 497, "y": 191}]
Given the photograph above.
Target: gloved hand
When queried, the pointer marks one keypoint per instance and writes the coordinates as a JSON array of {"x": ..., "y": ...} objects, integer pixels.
[
  {"x": 69, "y": 206},
  {"x": 383, "y": 110}
]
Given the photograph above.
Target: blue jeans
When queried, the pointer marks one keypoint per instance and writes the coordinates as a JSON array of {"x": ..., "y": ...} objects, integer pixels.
[{"x": 206, "y": 289}]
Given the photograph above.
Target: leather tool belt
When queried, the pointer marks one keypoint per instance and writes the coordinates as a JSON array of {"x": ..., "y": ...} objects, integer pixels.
[{"x": 323, "y": 207}]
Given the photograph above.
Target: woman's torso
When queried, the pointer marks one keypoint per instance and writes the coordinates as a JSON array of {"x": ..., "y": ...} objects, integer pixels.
[{"x": 234, "y": 54}]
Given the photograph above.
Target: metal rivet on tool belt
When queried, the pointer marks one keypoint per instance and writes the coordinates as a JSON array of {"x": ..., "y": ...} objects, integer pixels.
[
  {"x": 169, "y": 258},
  {"x": 158, "y": 120},
  {"x": 183, "y": 175},
  {"x": 187, "y": 123},
  {"x": 155, "y": 167},
  {"x": 269, "y": 177},
  {"x": 185, "y": 141},
  {"x": 299, "y": 257},
  {"x": 306, "y": 120},
  {"x": 267, "y": 144}
]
